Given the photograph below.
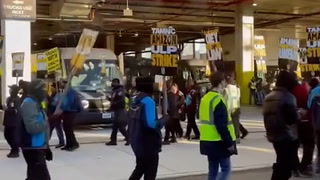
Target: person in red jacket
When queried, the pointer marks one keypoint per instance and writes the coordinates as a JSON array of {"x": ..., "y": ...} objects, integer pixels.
[{"x": 305, "y": 129}]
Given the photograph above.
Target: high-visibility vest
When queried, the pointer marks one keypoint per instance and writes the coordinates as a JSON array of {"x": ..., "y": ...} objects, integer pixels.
[
  {"x": 127, "y": 102},
  {"x": 233, "y": 97},
  {"x": 208, "y": 130},
  {"x": 43, "y": 105}
]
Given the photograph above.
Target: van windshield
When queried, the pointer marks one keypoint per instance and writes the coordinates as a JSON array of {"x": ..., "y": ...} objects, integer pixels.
[{"x": 93, "y": 76}]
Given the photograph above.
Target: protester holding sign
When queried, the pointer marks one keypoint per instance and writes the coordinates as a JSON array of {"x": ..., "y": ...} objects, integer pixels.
[
  {"x": 288, "y": 54},
  {"x": 164, "y": 47},
  {"x": 213, "y": 46}
]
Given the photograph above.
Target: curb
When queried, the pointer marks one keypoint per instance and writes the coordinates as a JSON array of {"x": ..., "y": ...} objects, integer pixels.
[{"x": 204, "y": 175}]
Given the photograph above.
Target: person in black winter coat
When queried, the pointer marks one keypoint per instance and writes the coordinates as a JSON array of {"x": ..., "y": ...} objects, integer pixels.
[
  {"x": 173, "y": 126},
  {"x": 191, "y": 109},
  {"x": 10, "y": 121},
  {"x": 280, "y": 118},
  {"x": 118, "y": 105}
]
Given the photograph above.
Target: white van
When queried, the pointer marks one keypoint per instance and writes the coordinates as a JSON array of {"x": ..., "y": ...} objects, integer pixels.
[{"x": 93, "y": 83}]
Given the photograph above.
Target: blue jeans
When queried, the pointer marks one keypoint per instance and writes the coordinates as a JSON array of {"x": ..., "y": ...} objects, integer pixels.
[
  {"x": 214, "y": 164},
  {"x": 60, "y": 133}
]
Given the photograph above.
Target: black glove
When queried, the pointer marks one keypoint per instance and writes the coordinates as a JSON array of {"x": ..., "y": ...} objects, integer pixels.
[{"x": 49, "y": 155}]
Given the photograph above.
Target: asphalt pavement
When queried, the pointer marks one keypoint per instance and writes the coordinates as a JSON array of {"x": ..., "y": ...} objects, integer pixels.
[
  {"x": 96, "y": 161},
  {"x": 252, "y": 174}
]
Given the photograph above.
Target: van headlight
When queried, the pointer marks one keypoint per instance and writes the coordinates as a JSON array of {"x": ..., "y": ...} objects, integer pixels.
[
  {"x": 85, "y": 104},
  {"x": 106, "y": 104}
]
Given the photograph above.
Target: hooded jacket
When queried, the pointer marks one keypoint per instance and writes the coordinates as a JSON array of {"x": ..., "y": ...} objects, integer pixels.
[
  {"x": 280, "y": 116},
  {"x": 144, "y": 133},
  {"x": 33, "y": 124},
  {"x": 13, "y": 105},
  {"x": 175, "y": 103}
]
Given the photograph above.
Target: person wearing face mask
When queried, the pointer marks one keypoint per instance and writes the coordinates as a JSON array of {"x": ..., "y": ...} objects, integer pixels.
[
  {"x": 118, "y": 105},
  {"x": 34, "y": 132},
  {"x": 10, "y": 121},
  {"x": 217, "y": 134}
]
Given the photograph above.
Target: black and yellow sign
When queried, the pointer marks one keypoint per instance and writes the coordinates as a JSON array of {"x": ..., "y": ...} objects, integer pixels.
[
  {"x": 53, "y": 60},
  {"x": 309, "y": 70},
  {"x": 259, "y": 46},
  {"x": 18, "y": 9},
  {"x": 313, "y": 45},
  {"x": 309, "y": 67},
  {"x": 164, "y": 47},
  {"x": 288, "y": 54},
  {"x": 213, "y": 45}
]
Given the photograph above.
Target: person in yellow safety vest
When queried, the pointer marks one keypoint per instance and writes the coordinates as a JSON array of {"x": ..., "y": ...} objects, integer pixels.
[
  {"x": 232, "y": 97},
  {"x": 126, "y": 99},
  {"x": 252, "y": 90},
  {"x": 217, "y": 135}
]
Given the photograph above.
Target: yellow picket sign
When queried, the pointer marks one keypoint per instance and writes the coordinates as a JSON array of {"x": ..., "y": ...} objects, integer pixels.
[
  {"x": 53, "y": 60},
  {"x": 86, "y": 42}
]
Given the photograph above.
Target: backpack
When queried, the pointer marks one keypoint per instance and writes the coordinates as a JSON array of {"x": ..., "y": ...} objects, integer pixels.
[
  {"x": 135, "y": 111},
  {"x": 77, "y": 103},
  {"x": 188, "y": 100}
]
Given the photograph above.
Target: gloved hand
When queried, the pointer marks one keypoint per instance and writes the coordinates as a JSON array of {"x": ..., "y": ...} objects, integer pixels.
[{"x": 49, "y": 155}]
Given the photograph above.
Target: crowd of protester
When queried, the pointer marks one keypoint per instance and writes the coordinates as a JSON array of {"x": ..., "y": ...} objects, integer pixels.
[
  {"x": 290, "y": 112},
  {"x": 291, "y": 117}
]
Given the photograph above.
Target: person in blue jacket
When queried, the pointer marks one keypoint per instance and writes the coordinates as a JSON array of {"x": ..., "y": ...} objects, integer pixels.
[
  {"x": 71, "y": 105},
  {"x": 33, "y": 129},
  {"x": 145, "y": 131}
]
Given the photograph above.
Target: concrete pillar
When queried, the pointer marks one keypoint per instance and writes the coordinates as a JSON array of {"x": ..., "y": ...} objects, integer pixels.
[
  {"x": 17, "y": 38},
  {"x": 110, "y": 42},
  {"x": 244, "y": 45}
]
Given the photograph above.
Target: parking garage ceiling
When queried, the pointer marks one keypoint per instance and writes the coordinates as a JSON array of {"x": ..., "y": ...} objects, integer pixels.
[{"x": 63, "y": 20}]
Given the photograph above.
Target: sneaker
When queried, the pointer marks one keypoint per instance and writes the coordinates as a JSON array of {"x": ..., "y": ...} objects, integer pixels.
[
  {"x": 187, "y": 138},
  {"x": 245, "y": 134},
  {"x": 64, "y": 148},
  {"x": 13, "y": 155},
  {"x": 295, "y": 174},
  {"x": 111, "y": 143},
  {"x": 59, "y": 146},
  {"x": 195, "y": 138},
  {"x": 173, "y": 140},
  {"x": 166, "y": 143},
  {"x": 73, "y": 148},
  {"x": 306, "y": 173}
]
